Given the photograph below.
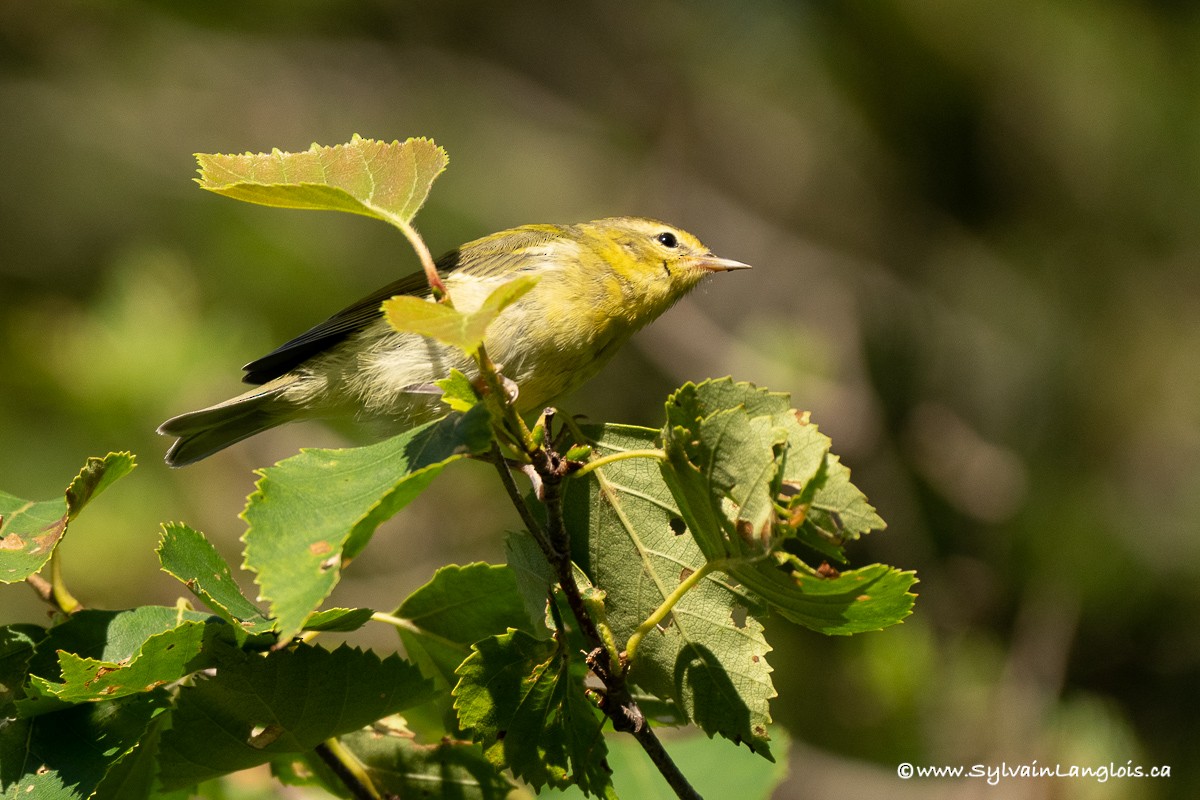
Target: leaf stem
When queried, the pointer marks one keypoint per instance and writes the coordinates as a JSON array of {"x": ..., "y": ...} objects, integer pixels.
[
  {"x": 668, "y": 603},
  {"x": 408, "y": 625},
  {"x": 426, "y": 258},
  {"x": 348, "y": 770},
  {"x": 604, "y": 461},
  {"x": 63, "y": 599}
]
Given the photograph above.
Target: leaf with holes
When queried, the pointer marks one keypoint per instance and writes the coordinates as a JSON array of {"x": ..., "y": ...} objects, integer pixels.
[
  {"x": 630, "y": 538},
  {"x": 732, "y": 450},
  {"x": 749, "y": 474}
]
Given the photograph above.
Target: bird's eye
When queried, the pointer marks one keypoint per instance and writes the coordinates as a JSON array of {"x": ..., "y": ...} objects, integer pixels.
[{"x": 667, "y": 239}]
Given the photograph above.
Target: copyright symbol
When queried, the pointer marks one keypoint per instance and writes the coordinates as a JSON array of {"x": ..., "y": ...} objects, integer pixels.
[{"x": 905, "y": 771}]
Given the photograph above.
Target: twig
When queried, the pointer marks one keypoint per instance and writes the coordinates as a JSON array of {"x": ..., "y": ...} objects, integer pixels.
[
  {"x": 617, "y": 702},
  {"x": 348, "y": 770}
]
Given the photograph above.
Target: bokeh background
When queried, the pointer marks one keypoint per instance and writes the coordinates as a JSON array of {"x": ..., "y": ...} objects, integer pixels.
[{"x": 975, "y": 235}]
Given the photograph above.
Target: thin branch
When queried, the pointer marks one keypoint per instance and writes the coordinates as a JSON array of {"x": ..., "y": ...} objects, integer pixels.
[
  {"x": 42, "y": 587},
  {"x": 617, "y": 701},
  {"x": 348, "y": 770}
]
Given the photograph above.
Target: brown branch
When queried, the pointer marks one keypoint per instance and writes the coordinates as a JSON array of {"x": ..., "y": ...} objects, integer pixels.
[{"x": 617, "y": 702}]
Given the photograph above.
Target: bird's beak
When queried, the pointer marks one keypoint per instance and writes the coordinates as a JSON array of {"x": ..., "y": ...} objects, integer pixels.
[{"x": 714, "y": 264}]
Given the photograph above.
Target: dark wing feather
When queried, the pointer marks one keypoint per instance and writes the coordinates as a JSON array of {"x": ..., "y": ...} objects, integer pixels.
[
  {"x": 350, "y": 319},
  {"x": 507, "y": 252}
]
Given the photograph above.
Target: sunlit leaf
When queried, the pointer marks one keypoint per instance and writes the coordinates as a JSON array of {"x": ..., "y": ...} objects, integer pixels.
[
  {"x": 163, "y": 658},
  {"x": 838, "y": 509},
  {"x": 731, "y": 450},
  {"x": 185, "y": 554},
  {"x": 748, "y": 473},
  {"x": 376, "y": 179},
  {"x": 106, "y": 654},
  {"x": 338, "y": 619},
  {"x": 457, "y": 391},
  {"x": 316, "y": 510},
  {"x": 29, "y": 531},
  {"x": 464, "y": 330},
  {"x": 866, "y": 599}
]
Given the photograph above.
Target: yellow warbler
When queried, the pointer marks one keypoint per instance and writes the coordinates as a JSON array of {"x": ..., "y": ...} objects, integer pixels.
[{"x": 599, "y": 282}]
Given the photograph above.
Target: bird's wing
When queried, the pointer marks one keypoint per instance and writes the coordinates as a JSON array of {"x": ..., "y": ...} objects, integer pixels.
[
  {"x": 508, "y": 252},
  {"x": 350, "y": 319}
]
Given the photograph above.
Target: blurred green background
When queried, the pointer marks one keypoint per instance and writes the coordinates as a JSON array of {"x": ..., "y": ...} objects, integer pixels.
[{"x": 975, "y": 236}]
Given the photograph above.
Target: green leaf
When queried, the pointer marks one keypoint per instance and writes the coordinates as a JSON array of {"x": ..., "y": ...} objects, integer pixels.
[
  {"x": 68, "y": 753},
  {"x": 749, "y": 474},
  {"x": 258, "y": 707},
  {"x": 342, "y": 620},
  {"x": 108, "y": 654},
  {"x": 399, "y": 766},
  {"x": 163, "y": 658},
  {"x": 96, "y": 476},
  {"x": 457, "y": 608},
  {"x": 839, "y": 510},
  {"x": 185, "y": 554},
  {"x": 314, "y": 511},
  {"x": 376, "y": 179},
  {"x": 136, "y": 775},
  {"x": 732, "y": 448},
  {"x": 464, "y": 330},
  {"x": 17, "y": 644},
  {"x": 629, "y": 536},
  {"x": 535, "y": 578},
  {"x": 29, "y": 531},
  {"x": 856, "y": 601},
  {"x": 457, "y": 391},
  {"x": 518, "y": 698}
]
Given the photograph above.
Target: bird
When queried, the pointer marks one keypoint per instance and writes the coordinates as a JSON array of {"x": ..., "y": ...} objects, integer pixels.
[{"x": 599, "y": 283}]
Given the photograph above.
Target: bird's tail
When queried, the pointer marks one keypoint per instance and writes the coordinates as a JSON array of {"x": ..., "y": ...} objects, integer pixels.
[{"x": 204, "y": 432}]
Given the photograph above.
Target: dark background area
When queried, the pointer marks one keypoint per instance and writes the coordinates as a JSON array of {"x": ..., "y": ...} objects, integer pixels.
[{"x": 974, "y": 231}]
